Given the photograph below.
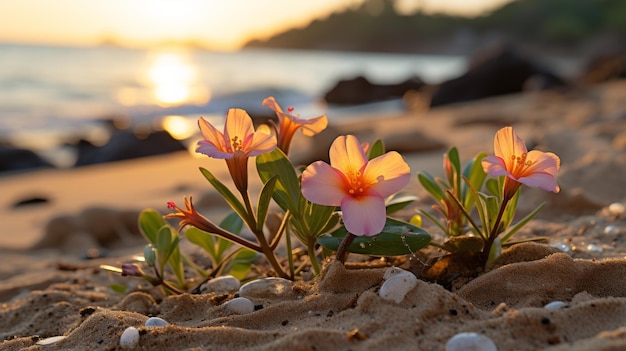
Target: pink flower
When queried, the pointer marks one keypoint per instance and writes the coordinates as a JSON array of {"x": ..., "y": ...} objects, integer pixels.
[
  {"x": 238, "y": 139},
  {"x": 357, "y": 185},
  {"x": 289, "y": 123},
  {"x": 238, "y": 142},
  {"x": 513, "y": 160}
]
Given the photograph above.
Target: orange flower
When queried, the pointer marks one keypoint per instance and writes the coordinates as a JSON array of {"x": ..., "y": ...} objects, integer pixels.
[
  {"x": 289, "y": 123},
  {"x": 238, "y": 142},
  {"x": 357, "y": 185},
  {"x": 513, "y": 160}
]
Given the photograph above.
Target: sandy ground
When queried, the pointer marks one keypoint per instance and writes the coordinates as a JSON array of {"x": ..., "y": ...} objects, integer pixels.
[{"x": 47, "y": 289}]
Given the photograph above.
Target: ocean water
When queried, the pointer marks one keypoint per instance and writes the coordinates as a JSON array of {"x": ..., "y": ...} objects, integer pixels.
[{"x": 49, "y": 95}]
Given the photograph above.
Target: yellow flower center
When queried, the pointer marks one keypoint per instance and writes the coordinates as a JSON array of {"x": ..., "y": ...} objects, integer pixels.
[
  {"x": 520, "y": 163},
  {"x": 236, "y": 143},
  {"x": 356, "y": 184}
]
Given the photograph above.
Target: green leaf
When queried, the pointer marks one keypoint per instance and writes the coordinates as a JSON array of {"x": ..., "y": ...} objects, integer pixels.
[
  {"x": 455, "y": 162},
  {"x": 118, "y": 288},
  {"x": 319, "y": 217},
  {"x": 511, "y": 208},
  {"x": 164, "y": 239},
  {"x": 233, "y": 223},
  {"x": 204, "y": 240},
  {"x": 397, "y": 238},
  {"x": 435, "y": 221},
  {"x": 399, "y": 202},
  {"x": 493, "y": 187},
  {"x": 264, "y": 202},
  {"x": 476, "y": 176},
  {"x": 149, "y": 254},
  {"x": 242, "y": 263},
  {"x": 230, "y": 198},
  {"x": 164, "y": 245},
  {"x": 430, "y": 185},
  {"x": 176, "y": 262},
  {"x": 464, "y": 243},
  {"x": 377, "y": 149},
  {"x": 287, "y": 188},
  {"x": 150, "y": 222},
  {"x": 521, "y": 223}
]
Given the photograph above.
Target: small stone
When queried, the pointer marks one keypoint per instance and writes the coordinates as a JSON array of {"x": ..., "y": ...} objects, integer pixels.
[
  {"x": 594, "y": 248},
  {"x": 276, "y": 287},
  {"x": 396, "y": 287},
  {"x": 555, "y": 305},
  {"x": 51, "y": 340},
  {"x": 129, "y": 338},
  {"x": 563, "y": 247},
  {"x": 616, "y": 209},
  {"x": 156, "y": 322},
  {"x": 611, "y": 230},
  {"x": 470, "y": 342},
  {"x": 393, "y": 271},
  {"x": 240, "y": 305},
  {"x": 222, "y": 285}
]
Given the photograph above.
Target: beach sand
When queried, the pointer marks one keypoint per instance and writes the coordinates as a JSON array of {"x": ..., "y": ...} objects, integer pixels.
[{"x": 48, "y": 289}]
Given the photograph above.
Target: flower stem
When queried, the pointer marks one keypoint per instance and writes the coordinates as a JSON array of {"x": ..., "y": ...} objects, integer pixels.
[
  {"x": 266, "y": 249},
  {"x": 494, "y": 231},
  {"x": 342, "y": 250}
]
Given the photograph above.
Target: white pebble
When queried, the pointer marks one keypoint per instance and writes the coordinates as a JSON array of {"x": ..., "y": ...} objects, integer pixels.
[
  {"x": 393, "y": 271},
  {"x": 470, "y": 342},
  {"x": 278, "y": 287},
  {"x": 563, "y": 247},
  {"x": 156, "y": 322},
  {"x": 129, "y": 338},
  {"x": 611, "y": 230},
  {"x": 222, "y": 285},
  {"x": 594, "y": 248},
  {"x": 616, "y": 209},
  {"x": 51, "y": 340},
  {"x": 240, "y": 305},
  {"x": 555, "y": 305},
  {"x": 396, "y": 287}
]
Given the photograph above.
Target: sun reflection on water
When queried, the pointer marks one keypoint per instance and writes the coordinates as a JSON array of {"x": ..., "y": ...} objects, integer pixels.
[{"x": 172, "y": 79}]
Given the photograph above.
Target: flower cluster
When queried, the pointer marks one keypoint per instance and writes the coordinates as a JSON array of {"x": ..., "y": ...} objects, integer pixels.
[
  {"x": 342, "y": 206},
  {"x": 511, "y": 166}
]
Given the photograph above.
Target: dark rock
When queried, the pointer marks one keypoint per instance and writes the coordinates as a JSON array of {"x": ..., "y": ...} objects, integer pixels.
[
  {"x": 495, "y": 72},
  {"x": 15, "y": 159},
  {"x": 125, "y": 145},
  {"x": 605, "y": 67},
  {"x": 359, "y": 90},
  {"x": 94, "y": 228},
  {"x": 32, "y": 200}
]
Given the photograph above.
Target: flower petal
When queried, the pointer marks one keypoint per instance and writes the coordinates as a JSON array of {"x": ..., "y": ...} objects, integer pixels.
[
  {"x": 346, "y": 154},
  {"x": 272, "y": 104},
  {"x": 314, "y": 125},
  {"x": 389, "y": 173},
  {"x": 323, "y": 184},
  {"x": 261, "y": 143},
  {"x": 364, "y": 215},
  {"x": 544, "y": 181},
  {"x": 209, "y": 133},
  {"x": 543, "y": 162},
  {"x": 238, "y": 124},
  {"x": 494, "y": 166},
  {"x": 507, "y": 145},
  {"x": 213, "y": 143},
  {"x": 208, "y": 148}
]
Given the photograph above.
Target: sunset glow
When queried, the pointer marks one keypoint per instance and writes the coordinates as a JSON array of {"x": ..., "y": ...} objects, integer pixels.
[{"x": 224, "y": 25}]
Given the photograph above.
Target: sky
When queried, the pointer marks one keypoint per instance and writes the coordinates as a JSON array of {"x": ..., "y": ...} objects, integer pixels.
[{"x": 220, "y": 24}]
